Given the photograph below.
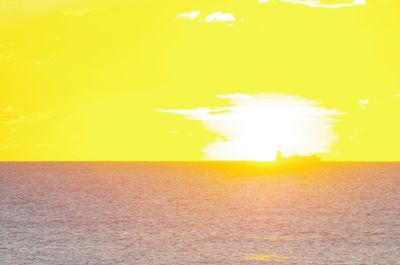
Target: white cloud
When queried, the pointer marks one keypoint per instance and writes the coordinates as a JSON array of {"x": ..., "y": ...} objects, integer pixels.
[
  {"x": 220, "y": 17},
  {"x": 216, "y": 17},
  {"x": 189, "y": 15},
  {"x": 363, "y": 103},
  {"x": 255, "y": 127},
  {"x": 321, "y": 4}
]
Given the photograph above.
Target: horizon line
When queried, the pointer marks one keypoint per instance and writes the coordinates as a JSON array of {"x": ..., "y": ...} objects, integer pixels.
[{"x": 186, "y": 161}]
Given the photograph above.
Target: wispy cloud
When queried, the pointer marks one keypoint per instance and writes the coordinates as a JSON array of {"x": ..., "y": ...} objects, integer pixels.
[
  {"x": 216, "y": 17},
  {"x": 189, "y": 15},
  {"x": 220, "y": 17},
  {"x": 255, "y": 127},
  {"x": 322, "y": 4},
  {"x": 363, "y": 103},
  {"x": 8, "y": 116}
]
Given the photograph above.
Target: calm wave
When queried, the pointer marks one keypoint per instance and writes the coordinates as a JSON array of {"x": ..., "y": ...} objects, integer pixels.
[{"x": 198, "y": 213}]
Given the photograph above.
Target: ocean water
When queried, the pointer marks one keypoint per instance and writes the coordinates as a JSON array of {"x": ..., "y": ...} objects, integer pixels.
[{"x": 199, "y": 213}]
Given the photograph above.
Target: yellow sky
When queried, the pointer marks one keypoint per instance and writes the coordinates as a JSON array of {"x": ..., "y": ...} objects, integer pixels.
[{"x": 84, "y": 80}]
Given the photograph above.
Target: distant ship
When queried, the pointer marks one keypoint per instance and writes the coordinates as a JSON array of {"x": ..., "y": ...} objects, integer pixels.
[{"x": 297, "y": 159}]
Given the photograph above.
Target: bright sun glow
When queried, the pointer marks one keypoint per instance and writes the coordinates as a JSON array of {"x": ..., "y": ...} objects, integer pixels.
[{"x": 257, "y": 126}]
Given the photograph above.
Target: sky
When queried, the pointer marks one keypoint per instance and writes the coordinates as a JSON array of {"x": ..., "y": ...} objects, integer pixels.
[{"x": 124, "y": 80}]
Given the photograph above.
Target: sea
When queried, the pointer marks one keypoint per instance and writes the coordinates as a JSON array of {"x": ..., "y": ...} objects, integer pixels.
[{"x": 199, "y": 213}]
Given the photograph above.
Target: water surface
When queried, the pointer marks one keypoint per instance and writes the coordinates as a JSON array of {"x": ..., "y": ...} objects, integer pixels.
[{"x": 198, "y": 213}]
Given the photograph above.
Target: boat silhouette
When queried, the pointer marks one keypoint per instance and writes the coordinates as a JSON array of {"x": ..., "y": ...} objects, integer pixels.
[{"x": 296, "y": 159}]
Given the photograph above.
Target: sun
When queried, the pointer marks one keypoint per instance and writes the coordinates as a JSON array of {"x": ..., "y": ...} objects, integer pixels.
[{"x": 256, "y": 127}]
